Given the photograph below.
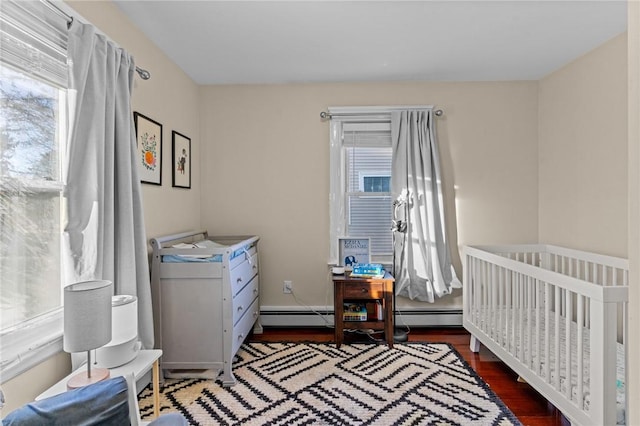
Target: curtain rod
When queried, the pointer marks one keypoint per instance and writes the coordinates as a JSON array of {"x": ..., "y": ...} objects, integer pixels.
[
  {"x": 144, "y": 74},
  {"x": 324, "y": 115}
]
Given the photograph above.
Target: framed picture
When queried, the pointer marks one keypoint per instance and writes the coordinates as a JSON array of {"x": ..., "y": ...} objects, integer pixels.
[
  {"x": 181, "y": 159},
  {"x": 352, "y": 251},
  {"x": 149, "y": 143}
]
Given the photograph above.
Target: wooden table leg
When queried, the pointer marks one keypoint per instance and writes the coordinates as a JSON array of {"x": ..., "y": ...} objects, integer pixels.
[
  {"x": 156, "y": 389},
  {"x": 388, "y": 314},
  {"x": 338, "y": 309}
]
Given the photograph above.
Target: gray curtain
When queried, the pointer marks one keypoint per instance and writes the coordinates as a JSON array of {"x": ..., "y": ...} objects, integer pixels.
[
  {"x": 105, "y": 235},
  {"x": 422, "y": 260}
]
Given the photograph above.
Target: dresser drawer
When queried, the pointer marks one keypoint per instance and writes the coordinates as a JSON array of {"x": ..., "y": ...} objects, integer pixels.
[
  {"x": 363, "y": 290},
  {"x": 243, "y": 327},
  {"x": 243, "y": 300},
  {"x": 243, "y": 273}
]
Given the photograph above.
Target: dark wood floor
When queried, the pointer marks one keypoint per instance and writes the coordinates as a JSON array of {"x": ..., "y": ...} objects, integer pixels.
[{"x": 522, "y": 400}]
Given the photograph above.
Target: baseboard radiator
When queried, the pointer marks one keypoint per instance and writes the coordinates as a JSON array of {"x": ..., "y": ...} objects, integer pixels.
[{"x": 322, "y": 316}]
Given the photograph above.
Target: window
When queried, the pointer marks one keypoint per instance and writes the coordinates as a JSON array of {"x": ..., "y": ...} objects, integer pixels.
[
  {"x": 32, "y": 133},
  {"x": 372, "y": 182},
  {"x": 31, "y": 197},
  {"x": 361, "y": 203}
]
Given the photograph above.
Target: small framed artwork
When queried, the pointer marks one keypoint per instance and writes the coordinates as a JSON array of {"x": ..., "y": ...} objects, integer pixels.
[
  {"x": 149, "y": 144},
  {"x": 352, "y": 251},
  {"x": 181, "y": 160}
]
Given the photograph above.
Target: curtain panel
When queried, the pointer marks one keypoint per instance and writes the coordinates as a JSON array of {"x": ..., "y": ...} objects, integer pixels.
[
  {"x": 105, "y": 234},
  {"x": 422, "y": 259}
]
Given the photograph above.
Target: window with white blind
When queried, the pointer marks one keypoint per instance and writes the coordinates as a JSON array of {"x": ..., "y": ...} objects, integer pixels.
[
  {"x": 33, "y": 129},
  {"x": 361, "y": 204}
]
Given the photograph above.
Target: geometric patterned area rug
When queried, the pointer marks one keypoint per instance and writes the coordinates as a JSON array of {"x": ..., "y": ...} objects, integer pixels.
[{"x": 318, "y": 384}]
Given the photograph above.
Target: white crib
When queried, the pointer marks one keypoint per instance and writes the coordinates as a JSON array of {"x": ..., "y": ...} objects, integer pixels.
[{"x": 532, "y": 304}]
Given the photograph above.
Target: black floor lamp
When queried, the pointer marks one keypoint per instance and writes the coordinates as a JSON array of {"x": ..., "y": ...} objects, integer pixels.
[{"x": 399, "y": 335}]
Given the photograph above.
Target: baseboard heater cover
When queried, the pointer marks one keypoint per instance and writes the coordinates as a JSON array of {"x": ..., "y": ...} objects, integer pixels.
[{"x": 281, "y": 316}]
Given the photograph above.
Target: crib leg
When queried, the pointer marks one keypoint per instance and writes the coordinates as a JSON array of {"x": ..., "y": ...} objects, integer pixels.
[{"x": 474, "y": 344}]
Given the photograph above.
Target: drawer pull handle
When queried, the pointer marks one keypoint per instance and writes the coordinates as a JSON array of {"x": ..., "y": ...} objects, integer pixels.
[
  {"x": 255, "y": 291},
  {"x": 255, "y": 314},
  {"x": 240, "y": 336},
  {"x": 239, "y": 280},
  {"x": 364, "y": 290},
  {"x": 240, "y": 308},
  {"x": 247, "y": 255}
]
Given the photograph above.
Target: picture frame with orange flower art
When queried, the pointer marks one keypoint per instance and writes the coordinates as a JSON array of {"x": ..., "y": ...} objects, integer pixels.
[{"x": 149, "y": 146}]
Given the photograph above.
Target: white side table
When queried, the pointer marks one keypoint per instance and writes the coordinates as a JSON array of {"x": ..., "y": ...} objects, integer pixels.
[{"x": 145, "y": 360}]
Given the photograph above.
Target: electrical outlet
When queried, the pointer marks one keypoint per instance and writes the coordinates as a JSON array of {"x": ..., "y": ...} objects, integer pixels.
[{"x": 287, "y": 287}]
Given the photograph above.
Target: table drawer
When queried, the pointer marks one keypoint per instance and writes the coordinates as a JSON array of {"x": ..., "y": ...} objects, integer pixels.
[{"x": 364, "y": 291}]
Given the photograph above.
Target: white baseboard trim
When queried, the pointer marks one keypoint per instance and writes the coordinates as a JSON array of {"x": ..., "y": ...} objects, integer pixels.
[{"x": 322, "y": 316}]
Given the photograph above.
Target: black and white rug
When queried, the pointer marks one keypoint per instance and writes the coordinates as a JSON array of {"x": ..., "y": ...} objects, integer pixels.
[{"x": 318, "y": 384}]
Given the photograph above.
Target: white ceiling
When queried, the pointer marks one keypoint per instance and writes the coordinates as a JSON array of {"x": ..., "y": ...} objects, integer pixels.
[{"x": 230, "y": 42}]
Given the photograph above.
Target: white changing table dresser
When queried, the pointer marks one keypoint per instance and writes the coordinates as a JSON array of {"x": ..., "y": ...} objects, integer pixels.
[{"x": 206, "y": 299}]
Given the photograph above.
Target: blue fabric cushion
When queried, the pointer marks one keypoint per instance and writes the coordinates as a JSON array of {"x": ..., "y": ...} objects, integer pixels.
[{"x": 102, "y": 403}]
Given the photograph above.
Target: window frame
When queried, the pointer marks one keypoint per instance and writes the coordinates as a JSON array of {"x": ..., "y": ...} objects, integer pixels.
[
  {"x": 33, "y": 340},
  {"x": 338, "y": 196}
]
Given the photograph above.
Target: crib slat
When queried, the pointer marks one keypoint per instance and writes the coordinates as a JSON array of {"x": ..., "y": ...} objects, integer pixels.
[
  {"x": 501, "y": 304},
  {"x": 556, "y": 338},
  {"x": 547, "y": 332},
  {"x": 567, "y": 344},
  {"x": 580, "y": 352},
  {"x": 521, "y": 331},
  {"x": 494, "y": 301},
  {"x": 512, "y": 312},
  {"x": 529, "y": 325},
  {"x": 586, "y": 271},
  {"x": 478, "y": 293},
  {"x": 538, "y": 309}
]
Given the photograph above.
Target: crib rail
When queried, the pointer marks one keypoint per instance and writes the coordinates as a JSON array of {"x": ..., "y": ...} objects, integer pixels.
[
  {"x": 585, "y": 266},
  {"x": 532, "y": 304}
]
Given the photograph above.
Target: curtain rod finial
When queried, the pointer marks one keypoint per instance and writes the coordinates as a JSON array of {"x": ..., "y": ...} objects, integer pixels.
[
  {"x": 325, "y": 115},
  {"x": 144, "y": 74}
]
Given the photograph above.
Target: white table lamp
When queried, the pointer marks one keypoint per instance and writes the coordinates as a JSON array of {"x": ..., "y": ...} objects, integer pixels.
[{"x": 87, "y": 325}]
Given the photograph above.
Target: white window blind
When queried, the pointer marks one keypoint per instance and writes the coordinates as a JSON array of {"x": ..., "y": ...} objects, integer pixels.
[{"x": 33, "y": 129}]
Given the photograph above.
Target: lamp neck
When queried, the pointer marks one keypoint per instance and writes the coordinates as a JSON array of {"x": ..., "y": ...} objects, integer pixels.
[{"x": 89, "y": 364}]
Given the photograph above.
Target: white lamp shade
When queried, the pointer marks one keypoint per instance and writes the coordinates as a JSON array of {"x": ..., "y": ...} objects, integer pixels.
[{"x": 87, "y": 315}]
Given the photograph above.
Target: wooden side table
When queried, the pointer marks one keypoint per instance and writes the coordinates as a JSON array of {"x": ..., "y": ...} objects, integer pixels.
[
  {"x": 145, "y": 361},
  {"x": 362, "y": 290}
]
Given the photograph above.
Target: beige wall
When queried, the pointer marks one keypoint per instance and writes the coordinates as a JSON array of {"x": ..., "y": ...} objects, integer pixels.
[
  {"x": 169, "y": 97},
  {"x": 583, "y": 152},
  {"x": 265, "y": 169}
]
